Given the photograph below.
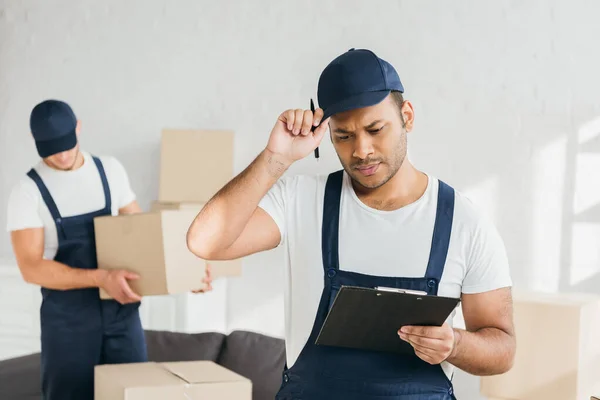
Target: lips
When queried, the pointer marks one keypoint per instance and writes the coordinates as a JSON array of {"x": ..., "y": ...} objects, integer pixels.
[{"x": 367, "y": 170}]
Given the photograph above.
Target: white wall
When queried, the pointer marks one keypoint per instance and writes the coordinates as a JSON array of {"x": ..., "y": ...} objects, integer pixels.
[{"x": 505, "y": 92}]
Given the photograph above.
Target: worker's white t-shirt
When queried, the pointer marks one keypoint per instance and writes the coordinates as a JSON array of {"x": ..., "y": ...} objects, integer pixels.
[
  {"x": 74, "y": 192},
  {"x": 383, "y": 243}
]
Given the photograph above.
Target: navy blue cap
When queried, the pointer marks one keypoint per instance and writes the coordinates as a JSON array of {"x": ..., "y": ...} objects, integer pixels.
[
  {"x": 356, "y": 79},
  {"x": 53, "y": 126}
]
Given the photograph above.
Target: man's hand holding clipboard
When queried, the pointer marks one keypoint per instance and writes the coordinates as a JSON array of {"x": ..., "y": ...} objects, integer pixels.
[
  {"x": 391, "y": 320},
  {"x": 432, "y": 344}
]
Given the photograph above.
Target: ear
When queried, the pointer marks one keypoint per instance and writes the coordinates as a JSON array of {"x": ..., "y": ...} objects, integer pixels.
[
  {"x": 408, "y": 114},
  {"x": 78, "y": 128}
]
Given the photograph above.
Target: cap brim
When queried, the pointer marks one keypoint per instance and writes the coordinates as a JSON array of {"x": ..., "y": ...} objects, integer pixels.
[
  {"x": 48, "y": 148},
  {"x": 366, "y": 99}
]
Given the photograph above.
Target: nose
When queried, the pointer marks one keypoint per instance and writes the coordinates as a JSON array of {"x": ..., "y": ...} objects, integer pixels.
[{"x": 363, "y": 147}]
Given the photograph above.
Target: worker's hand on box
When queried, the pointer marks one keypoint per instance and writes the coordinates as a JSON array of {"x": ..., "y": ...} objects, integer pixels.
[
  {"x": 116, "y": 285},
  {"x": 207, "y": 281},
  {"x": 432, "y": 344}
]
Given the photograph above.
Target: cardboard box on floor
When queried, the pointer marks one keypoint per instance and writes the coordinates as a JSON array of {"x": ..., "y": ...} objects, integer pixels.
[
  {"x": 219, "y": 269},
  {"x": 191, "y": 380},
  {"x": 194, "y": 164},
  {"x": 558, "y": 349},
  {"x": 152, "y": 244}
]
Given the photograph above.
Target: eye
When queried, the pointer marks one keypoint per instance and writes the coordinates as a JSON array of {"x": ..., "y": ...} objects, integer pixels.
[
  {"x": 377, "y": 129},
  {"x": 342, "y": 137}
]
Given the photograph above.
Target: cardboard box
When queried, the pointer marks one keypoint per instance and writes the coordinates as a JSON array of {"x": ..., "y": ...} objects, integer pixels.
[
  {"x": 194, "y": 164},
  {"x": 219, "y": 269},
  {"x": 163, "y": 205},
  {"x": 191, "y": 380},
  {"x": 558, "y": 349},
  {"x": 153, "y": 245}
]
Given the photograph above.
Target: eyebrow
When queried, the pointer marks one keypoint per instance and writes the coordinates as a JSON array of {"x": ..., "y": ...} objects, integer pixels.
[{"x": 370, "y": 126}]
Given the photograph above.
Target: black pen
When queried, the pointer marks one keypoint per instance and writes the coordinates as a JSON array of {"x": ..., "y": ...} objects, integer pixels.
[{"x": 312, "y": 129}]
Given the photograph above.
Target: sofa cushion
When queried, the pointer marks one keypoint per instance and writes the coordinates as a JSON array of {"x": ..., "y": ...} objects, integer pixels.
[
  {"x": 165, "y": 346},
  {"x": 257, "y": 357},
  {"x": 20, "y": 378}
]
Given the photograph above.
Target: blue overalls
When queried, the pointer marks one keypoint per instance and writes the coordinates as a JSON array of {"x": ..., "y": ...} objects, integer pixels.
[
  {"x": 78, "y": 329},
  {"x": 323, "y": 372}
]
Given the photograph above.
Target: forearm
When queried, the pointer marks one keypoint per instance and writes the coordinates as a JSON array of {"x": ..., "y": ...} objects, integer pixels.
[
  {"x": 488, "y": 351},
  {"x": 222, "y": 220},
  {"x": 55, "y": 275}
]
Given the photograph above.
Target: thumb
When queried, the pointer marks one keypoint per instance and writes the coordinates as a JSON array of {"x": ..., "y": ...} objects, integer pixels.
[{"x": 320, "y": 131}]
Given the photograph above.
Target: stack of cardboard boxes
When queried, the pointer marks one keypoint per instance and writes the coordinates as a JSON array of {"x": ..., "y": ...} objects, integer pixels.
[
  {"x": 194, "y": 165},
  {"x": 558, "y": 349}
]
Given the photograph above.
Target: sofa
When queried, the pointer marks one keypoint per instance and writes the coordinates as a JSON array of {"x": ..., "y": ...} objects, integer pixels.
[{"x": 258, "y": 357}]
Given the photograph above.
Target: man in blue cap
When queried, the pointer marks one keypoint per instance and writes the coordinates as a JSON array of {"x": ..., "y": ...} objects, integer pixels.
[
  {"x": 50, "y": 217},
  {"x": 377, "y": 222}
]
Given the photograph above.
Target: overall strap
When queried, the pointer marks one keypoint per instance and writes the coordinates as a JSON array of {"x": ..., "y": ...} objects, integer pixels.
[
  {"x": 46, "y": 196},
  {"x": 331, "y": 220},
  {"x": 441, "y": 235},
  {"x": 107, "y": 197}
]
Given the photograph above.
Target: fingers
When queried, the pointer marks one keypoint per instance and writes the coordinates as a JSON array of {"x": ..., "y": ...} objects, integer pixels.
[
  {"x": 431, "y": 344},
  {"x": 320, "y": 131},
  {"x": 206, "y": 280},
  {"x": 123, "y": 298},
  {"x": 207, "y": 288},
  {"x": 288, "y": 117},
  {"x": 130, "y": 294},
  {"x": 425, "y": 357},
  {"x": 423, "y": 342},
  {"x": 318, "y": 117},
  {"x": 307, "y": 123},
  {"x": 431, "y": 352},
  {"x": 119, "y": 295},
  {"x": 433, "y": 332},
  {"x": 208, "y": 277},
  {"x": 131, "y": 275},
  {"x": 300, "y": 121}
]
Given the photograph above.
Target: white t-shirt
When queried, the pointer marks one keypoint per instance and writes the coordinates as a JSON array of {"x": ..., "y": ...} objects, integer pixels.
[
  {"x": 383, "y": 243},
  {"x": 74, "y": 192}
]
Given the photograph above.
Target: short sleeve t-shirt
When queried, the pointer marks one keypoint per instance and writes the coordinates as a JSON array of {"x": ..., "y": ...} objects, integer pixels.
[
  {"x": 374, "y": 242},
  {"x": 74, "y": 192}
]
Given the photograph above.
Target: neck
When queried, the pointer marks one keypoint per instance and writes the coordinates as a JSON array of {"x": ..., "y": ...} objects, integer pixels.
[
  {"x": 76, "y": 165},
  {"x": 404, "y": 188}
]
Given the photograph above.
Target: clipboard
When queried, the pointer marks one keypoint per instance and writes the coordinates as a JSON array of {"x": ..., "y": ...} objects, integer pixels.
[{"x": 369, "y": 318}]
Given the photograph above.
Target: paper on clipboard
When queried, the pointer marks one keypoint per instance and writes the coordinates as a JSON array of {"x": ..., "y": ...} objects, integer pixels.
[{"x": 395, "y": 290}]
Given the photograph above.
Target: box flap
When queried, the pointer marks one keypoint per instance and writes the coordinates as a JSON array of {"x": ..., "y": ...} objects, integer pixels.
[
  {"x": 202, "y": 372},
  {"x": 137, "y": 375}
]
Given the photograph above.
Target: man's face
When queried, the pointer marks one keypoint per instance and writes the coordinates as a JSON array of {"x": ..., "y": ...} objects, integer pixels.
[
  {"x": 371, "y": 142},
  {"x": 64, "y": 161}
]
